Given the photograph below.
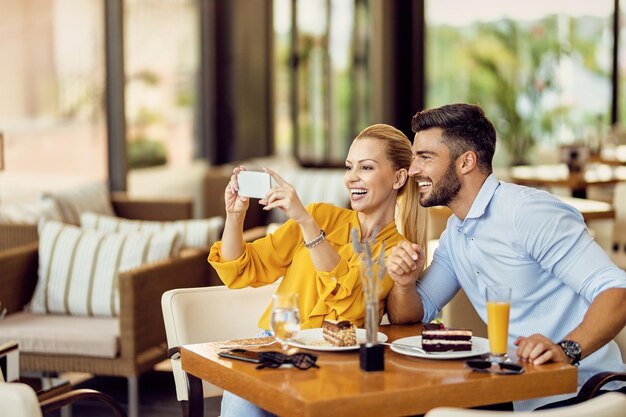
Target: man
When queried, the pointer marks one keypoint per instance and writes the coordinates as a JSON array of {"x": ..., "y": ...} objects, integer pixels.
[{"x": 568, "y": 298}]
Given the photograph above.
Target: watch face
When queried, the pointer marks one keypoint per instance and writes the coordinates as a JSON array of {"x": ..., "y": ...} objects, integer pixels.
[{"x": 571, "y": 348}]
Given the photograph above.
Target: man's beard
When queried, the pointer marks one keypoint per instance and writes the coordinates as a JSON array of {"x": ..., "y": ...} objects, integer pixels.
[{"x": 446, "y": 190}]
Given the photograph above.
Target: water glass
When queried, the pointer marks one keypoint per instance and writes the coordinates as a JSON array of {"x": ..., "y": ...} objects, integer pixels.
[
  {"x": 498, "y": 308},
  {"x": 285, "y": 318}
]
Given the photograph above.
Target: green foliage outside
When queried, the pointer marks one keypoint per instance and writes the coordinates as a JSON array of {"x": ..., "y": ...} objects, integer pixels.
[
  {"x": 510, "y": 68},
  {"x": 143, "y": 153}
]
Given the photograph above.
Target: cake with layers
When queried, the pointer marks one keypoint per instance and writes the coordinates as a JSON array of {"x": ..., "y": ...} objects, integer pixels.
[
  {"x": 339, "y": 333},
  {"x": 437, "y": 338}
]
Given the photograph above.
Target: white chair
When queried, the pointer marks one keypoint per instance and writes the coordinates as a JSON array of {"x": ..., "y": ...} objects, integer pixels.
[
  {"x": 20, "y": 400},
  {"x": 208, "y": 314},
  {"x": 607, "y": 405}
]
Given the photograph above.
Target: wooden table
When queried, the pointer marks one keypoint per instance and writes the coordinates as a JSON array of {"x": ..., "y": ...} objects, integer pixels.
[
  {"x": 559, "y": 176},
  {"x": 408, "y": 385},
  {"x": 591, "y": 209}
]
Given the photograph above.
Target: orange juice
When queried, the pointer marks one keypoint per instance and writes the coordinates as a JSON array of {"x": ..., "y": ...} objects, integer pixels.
[{"x": 498, "y": 326}]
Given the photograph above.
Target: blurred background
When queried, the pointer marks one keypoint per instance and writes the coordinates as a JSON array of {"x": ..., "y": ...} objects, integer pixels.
[{"x": 101, "y": 89}]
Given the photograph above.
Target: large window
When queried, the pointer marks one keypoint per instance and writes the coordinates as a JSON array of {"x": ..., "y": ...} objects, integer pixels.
[
  {"x": 541, "y": 69},
  {"x": 161, "y": 64},
  {"x": 52, "y": 87},
  {"x": 322, "y": 77}
]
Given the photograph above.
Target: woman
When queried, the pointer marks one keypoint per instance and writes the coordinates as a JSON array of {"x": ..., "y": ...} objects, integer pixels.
[{"x": 313, "y": 251}]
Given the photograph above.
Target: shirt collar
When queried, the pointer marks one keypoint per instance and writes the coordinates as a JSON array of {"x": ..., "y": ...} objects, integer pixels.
[{"x": 483, "y": 197}]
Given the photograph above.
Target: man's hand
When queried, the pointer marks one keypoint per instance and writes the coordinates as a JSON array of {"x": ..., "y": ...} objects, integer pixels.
[
  {"x": 538, "y": 349},
  {"x": 404, "y": 263}
]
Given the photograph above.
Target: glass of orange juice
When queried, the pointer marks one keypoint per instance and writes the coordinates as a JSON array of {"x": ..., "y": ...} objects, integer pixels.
[{"x": 498, "y": 307}]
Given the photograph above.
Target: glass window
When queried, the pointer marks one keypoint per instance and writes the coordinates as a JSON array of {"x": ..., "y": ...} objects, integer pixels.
[
  {"x": 541, "y": 69},
  {"x": 322, "y": 80},
  {"x": 52, "y": 81},
  {"x": 161, "y": 62}
]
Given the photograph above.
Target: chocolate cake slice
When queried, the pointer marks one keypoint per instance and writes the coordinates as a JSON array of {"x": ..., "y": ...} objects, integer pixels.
[
  {"x": 339, "y": 333},
  {"x": 444, "y": 340}
]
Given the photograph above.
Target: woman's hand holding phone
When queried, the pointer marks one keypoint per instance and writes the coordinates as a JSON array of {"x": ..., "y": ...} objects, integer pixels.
[{"x": 235, "y": 204}]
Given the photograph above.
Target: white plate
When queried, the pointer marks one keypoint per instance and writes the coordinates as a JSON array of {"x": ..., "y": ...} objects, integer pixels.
[
  {"x": 480, "y": 346},
  {"x": 313, "y": 339}
]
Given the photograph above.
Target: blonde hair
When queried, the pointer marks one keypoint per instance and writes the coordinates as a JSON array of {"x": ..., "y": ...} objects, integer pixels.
[{"x": 413, "y": 217}]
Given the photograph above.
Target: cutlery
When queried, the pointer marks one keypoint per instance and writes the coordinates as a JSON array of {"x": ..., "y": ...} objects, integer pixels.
[
  {"x": 403, "y": 346},
  {"x": 243, "y": 346}
]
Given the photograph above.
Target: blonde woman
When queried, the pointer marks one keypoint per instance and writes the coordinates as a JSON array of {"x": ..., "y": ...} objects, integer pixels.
[{"x": 313, "y": 251}]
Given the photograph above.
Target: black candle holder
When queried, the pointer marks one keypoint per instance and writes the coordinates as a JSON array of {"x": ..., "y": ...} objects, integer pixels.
[{"x": 372, "y": 357}]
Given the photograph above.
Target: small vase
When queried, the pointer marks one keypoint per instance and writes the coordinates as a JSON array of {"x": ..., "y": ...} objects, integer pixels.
[{"x": 371, "y": 322}]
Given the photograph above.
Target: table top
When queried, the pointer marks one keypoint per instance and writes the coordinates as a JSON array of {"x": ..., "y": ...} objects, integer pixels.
[
  {"x": 558, "y": 175},
  {"x": 407, "y": 386},
  {"x": 591, "y": 209}
]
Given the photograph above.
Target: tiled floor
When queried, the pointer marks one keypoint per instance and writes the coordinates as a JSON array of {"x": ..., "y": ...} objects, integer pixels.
[{"x": 157, "y": 397}]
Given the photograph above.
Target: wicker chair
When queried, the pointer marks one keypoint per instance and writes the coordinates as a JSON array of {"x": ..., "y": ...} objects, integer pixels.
[{"x": 142, "y": 341}]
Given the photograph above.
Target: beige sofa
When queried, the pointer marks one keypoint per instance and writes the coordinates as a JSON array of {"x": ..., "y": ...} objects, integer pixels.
[{"x": 127, "y": 345}]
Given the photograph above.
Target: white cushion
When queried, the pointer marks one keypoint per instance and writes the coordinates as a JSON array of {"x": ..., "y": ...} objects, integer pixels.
[
  {"x": 78, "y": 269},
  {"x": 92, "y": 197},
  {"x": 29, "y": 213},
  {"x": 19, "y": 400},
  {"x": 67, "y": 335},
  {"x": 194, "y": 233}
]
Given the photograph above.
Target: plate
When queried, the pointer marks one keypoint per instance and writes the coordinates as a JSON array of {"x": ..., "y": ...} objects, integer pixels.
[
  {"x": 480, "y": 346},
  {"x": 313, "y": 339}
]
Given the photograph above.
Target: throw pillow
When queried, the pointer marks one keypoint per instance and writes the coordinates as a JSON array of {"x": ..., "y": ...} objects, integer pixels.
[
  {"x": 93, "y": 197},
  {"x": 78, "y": 269},
  {"x": 29, "y": 213},
  {"x": 200, "y": 233}
]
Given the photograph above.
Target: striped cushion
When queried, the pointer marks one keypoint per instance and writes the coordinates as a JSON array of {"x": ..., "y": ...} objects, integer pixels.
[
  {"x": 78, "y": 269},
  {"x": 92, "y": 197},
  {"x": 195, "y": 233}
]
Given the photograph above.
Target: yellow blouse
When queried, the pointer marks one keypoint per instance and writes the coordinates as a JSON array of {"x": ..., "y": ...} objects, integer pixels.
[{"x": 334, "y": 295}]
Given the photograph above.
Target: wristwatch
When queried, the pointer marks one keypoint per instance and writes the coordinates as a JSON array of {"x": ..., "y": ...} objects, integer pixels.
[{"x": 572, "y": 350}]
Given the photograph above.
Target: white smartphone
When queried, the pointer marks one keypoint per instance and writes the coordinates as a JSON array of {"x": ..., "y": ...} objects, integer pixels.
[{"x": 254, "y": 184}]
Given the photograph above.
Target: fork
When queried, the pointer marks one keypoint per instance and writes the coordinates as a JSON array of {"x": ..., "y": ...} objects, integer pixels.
[
  {"x": 409, "y": 347},
  {"x": 243, "y": 346}
]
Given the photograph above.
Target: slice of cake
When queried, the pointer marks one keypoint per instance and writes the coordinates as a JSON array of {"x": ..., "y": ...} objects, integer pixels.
[
  {"x": 439, "y": 339},
  {"x": 339, "y": 333}
]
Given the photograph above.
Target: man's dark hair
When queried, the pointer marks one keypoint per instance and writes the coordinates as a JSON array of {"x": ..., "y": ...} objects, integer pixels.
[{"x": 465, "y": 127}]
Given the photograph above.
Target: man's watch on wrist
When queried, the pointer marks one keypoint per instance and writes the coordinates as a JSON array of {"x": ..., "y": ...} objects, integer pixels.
[{"x": 572, "y": 349}]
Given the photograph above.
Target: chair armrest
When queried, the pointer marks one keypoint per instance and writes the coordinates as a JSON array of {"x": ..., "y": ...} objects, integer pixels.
[
  {"x": 14, "y": 235},
  {"x": 141, "y": 323},
  {"x": 593, "y": 384},
  {"x": 18, "y": 276},
  {"x": 144, "y": 209},
  {"x": 61, "y": 400}
]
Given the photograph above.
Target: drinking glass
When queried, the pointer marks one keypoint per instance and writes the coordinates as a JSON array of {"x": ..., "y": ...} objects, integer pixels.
[
  {"x": 498, "y": 308},
  {"x": 285, "y": 318}
]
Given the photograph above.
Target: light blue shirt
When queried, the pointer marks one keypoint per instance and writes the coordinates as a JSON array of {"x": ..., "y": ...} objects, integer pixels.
[{"x": 531, "y": 241}]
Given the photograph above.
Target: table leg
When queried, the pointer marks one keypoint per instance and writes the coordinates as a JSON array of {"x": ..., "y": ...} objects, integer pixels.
[{"x": 196, "y": 396}]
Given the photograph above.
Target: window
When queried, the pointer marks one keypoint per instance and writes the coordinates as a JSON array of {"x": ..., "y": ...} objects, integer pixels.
[
  {"x": 541, "y": 70},
  {"x": 322, "y": 77},
  {"x": 161, "y": 62},
  {"x": 52, "y": 81}
]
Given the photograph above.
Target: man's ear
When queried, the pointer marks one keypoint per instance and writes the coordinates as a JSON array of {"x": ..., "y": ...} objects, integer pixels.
[
  {"x": 469, "y": 161},
  {"x": 401, "y": 176}
]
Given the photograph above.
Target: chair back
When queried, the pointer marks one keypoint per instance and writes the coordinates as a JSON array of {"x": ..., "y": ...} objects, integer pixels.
[
  {"x": 208, "y": 314},
  {"x": 18, "y": 400},
  {"x": 607, "y": 405}
]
